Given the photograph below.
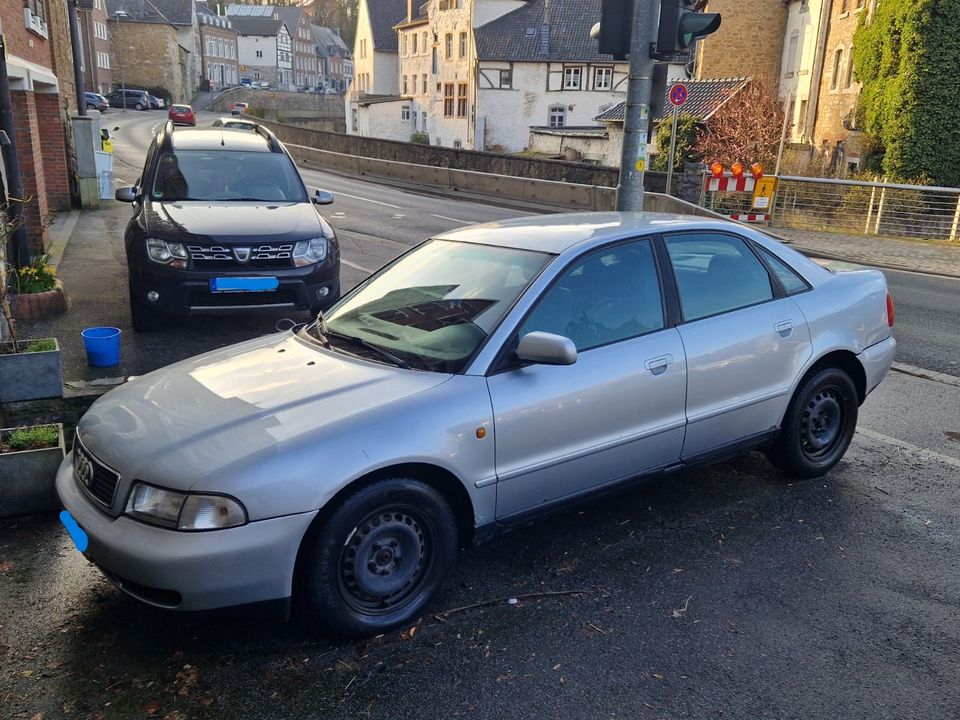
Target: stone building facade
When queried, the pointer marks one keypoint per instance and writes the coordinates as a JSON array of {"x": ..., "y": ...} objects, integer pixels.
[
  {"x": 748, "y": 43},
  {"x": 304, "y": 68},
  {"x": 219, "y": 52},
  {"x": 36, "y": 102}
]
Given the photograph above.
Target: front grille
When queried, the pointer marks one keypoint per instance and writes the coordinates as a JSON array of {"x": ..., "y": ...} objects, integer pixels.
[
  {"x": 221, "y": 257},
  {"x": 98, "y": 480},
  {"x": 242, "y": 299}
]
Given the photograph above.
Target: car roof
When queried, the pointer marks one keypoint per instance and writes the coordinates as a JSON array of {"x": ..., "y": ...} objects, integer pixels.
[
  {"x": 560, "y": 232},
  {"x": 215, "y": 139}
]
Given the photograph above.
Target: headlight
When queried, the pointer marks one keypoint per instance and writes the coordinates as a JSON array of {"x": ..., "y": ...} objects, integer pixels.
[
  {"x": 167, "y": 253},
  {"x": 308, "y": 252},
  {"x": 184, "y": 511}
]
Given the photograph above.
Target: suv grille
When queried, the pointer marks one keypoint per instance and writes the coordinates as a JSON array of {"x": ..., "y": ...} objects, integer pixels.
[
  {"x": 200, "y": 299},
  {"x": 98, "y": 480},
  {"x": 219, "y": 257}
]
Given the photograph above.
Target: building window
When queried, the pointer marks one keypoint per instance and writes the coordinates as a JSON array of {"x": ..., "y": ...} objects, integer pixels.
[
  {"x": 848, "y": 79},
  {"x": 860, "y": 4},
  {"x": 463, "y": 44},
  {"x": 435, "y": 65},
  {"x": 353, "y": 119},
  {"x": 405, "y": 112},
  {"x": 413, "y": 44},
  {"x": 791, "y": 68},
  {"x": 424, "y": 43},
  {"x": 448, "y": 45},
  {"x": 405, "y": 90},
  {"x": 844, "y": 7},
  {"x": 837, "y": 64},
  {"x": 103, "y": 60},
  {"x": 448, "y": 4},
  {"x": 462, "y": 100},
  {"x": 448, "y": 100},
  {"x": 403, "y": 45},
  {"x": 506, "y": 79},
  {"x": 558, "y": 116},
  {"x": 802, "y": 125},
  {"x": 424, "y": 77},
  {"x": 220, "y": 52},
  {"x": 603, "y": 78},
  {"x": 571, "y": 78}
]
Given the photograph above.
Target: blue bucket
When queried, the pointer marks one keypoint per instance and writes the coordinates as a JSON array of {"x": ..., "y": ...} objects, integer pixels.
[{"x": 103, "y": 346}]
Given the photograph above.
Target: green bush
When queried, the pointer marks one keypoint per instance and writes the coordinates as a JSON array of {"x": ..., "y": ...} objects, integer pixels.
[
  {"x": 686, "y": 139},
  {"x": 41, "y": 345},
  {"x": 420, "y": 138},
  {"x": 38, "y": 276},
  {"x": 31, "y": 438}
]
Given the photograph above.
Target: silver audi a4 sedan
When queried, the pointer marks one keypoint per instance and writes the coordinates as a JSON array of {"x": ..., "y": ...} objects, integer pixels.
[{"x": 487, "y": 375}]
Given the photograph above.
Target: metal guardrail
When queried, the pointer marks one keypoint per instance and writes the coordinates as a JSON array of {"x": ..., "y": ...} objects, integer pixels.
[{"x": 868, "y": 208}]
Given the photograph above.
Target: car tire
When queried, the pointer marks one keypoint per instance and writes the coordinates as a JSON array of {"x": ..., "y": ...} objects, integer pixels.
[
  {"x": 91, "y": 106},
  {"x": 819, "y": 425},
  {"x": 142, "y": 318},
  {"x": 407, "y": 535},
  {"x": 139, "y": 106}
]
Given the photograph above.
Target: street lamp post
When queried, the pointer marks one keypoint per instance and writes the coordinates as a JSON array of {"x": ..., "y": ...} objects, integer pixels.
[{"x": 123, "y": 88}]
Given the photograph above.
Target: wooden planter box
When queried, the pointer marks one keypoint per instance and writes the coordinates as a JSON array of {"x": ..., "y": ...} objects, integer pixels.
[
  {"x": 30, "y": 376},
  {"x": 27, "y": 479}
]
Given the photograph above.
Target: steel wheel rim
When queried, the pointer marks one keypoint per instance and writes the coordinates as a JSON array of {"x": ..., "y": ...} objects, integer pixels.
[
  {"x": 384, "y": 560},
  {"x": 823, "y": 423}
]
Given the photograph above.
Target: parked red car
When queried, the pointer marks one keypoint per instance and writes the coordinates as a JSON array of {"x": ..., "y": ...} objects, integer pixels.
[{"x": 182, "y": 115}]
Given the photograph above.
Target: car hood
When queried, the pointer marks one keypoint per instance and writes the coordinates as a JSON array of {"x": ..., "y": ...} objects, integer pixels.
[
  {"x": 200, "y": 221},
  {"x": 197, "y": 417}
]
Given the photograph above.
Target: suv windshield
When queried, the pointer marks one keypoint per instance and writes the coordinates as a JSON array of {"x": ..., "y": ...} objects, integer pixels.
[
  {"x": 226, "y": 175},
  {"x": 434, "y": 306}
]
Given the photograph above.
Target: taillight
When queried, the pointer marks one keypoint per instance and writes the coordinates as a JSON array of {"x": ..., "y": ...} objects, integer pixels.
[{"x": 890, "y": 312}]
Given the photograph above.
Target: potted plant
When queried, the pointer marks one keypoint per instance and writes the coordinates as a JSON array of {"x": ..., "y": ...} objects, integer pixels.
[
  {"x": 29, "y": 369},
  {"x": 29, "y": 458}
]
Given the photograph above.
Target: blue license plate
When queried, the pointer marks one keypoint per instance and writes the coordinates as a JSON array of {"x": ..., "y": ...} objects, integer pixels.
[
  {"x": 77, "y": 534},
  {"x": 243, "y": 284}
]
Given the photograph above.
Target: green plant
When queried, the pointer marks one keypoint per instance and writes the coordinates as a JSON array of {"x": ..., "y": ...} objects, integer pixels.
[
  {"x": 32, "y": 438},
  {"x": 906, "y": 53},
  {"x": 257, "y": 112},
  {"x": 686, "y": 139},
  {"x": 38, "y": 276},
  {"x": 41, "y": 346},
  {"x": 420, "y": 137}
]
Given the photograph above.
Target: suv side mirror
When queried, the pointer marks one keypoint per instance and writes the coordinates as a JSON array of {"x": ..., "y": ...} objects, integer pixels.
[
  {"x": 546, "y": 349},
  {"x": 322, "y": 197},
  {"x": 126, "y": 194}
]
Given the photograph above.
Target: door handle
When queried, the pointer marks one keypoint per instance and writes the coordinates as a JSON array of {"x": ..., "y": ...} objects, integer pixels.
[
  {"x": 658, "y": 365},
  {"x": 784, "y": 329}
]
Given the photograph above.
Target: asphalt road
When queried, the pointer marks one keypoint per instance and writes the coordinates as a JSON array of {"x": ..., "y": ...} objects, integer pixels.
[{"x": 721, "y": 593}]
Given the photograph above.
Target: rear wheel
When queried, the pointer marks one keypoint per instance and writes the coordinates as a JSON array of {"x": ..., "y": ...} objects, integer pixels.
[
  {"x": 378, "y": 558},
  {"x": 138, "y": 106},
  {"x": 818, "y": 426}
]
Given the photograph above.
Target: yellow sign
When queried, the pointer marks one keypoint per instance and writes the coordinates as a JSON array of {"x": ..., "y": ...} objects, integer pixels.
[
  {"x": 107, "y": 145},
  {"x": 763, "y": 191},
  {"x": 640, "y": 165}
]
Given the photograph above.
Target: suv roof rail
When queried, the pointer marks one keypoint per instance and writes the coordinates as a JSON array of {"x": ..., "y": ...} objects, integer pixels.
[
  {"x": 271, "y": 138},
  {"x": 166, "y": 136}
]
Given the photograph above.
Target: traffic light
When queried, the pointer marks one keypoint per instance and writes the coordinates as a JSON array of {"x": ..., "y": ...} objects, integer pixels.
[
  {"x": 681, "y": 25},
  {"x": 616, "y": 27}
]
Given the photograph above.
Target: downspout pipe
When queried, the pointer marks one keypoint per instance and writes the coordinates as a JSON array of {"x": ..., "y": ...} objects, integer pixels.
[
  {"x": 77, "y": 61},
  {"x": 11, "y": 159}
]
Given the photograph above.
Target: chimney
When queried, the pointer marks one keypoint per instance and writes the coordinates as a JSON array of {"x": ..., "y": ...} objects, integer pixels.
[
  {"x": 545, "y": 29},
  {"x": 410, "y": 4}
]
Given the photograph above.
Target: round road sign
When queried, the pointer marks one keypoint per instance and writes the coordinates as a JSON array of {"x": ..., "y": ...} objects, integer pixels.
[{"x": 678, "y": 94}]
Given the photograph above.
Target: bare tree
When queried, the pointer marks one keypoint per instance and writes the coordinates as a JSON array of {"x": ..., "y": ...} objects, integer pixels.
[{"x": 747, "y": 128}]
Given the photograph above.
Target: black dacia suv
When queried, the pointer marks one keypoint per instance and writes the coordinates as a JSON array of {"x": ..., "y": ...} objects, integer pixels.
[{"x": 223, "y": 221}]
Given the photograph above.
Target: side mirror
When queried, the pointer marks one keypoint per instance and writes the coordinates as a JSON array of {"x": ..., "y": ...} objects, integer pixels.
[
  {"x": 546, "y": 349},
  {"x": 322, "y": 197},
  {"x": 126, "y": 194}
]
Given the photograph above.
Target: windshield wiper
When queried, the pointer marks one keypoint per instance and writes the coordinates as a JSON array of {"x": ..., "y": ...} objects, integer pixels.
[{"x": 376, "y": 349}]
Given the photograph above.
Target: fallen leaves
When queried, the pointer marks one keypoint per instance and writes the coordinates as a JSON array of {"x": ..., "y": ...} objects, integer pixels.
[{"x": 152, "y": 707}]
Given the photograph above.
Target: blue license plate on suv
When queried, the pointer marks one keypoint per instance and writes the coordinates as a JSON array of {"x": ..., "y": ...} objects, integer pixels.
[{"x": 243, "y": 284}]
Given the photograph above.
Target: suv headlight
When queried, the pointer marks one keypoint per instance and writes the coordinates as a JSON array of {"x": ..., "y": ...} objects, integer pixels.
[
  {"x": 183, "y": 511},
  {"x": 167, "y": 253},
  {"x": 308, "y": 252}
]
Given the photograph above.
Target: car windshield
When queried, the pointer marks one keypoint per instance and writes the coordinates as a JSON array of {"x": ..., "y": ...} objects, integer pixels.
[
  {"x": 227, "y": 175},
  {"x": 435, "y": 305}
]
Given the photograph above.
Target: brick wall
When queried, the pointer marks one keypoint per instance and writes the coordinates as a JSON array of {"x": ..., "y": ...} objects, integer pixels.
[
  {"x": 749, "y": 41},
  {"x": 53, "y": 150},
  {"x": 19, "y": 40},
  {"x": 31, "y": 167},
  {"x": 150, "y": 56}
]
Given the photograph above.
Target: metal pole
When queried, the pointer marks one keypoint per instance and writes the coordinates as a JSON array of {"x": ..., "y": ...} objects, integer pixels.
[
  {"x": 123, "y": 87},
  {"x": 673, "y": 145},
  {"x": 77, "y": 61},
  {"x": 636, "y": 121},
  {"x": 11, "y": 159},
  {"x": 783, "y": 138}
]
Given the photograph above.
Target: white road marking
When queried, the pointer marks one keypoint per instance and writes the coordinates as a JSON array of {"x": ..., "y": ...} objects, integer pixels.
[
  {"x": 355, "y": 266},
  {"x": 904, "y": 445},
  {"x": 398, "y": 216},
  {"x": 375, "y": 202},
  {"x": 444, "y": 217}
]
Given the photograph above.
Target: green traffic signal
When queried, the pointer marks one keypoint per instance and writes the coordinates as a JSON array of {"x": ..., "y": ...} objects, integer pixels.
[
  {"x": 681, "y": 26},
  {"x": 694, "y": 25}
]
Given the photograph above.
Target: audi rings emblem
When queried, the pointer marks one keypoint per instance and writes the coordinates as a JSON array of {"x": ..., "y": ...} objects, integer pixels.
[{"x": 83, "y": 467}]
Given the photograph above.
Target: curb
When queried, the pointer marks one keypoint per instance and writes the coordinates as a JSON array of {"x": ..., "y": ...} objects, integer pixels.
[
  {"x": 60, "y": 231},
  {"x": 925, "y": 374}
]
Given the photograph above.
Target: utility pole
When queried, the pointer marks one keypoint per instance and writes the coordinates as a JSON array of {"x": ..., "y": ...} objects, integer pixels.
[
  {"x": 11, "y": 160},
  {"x": 77, "y": 61},
  {"x": 636, "y": 121}
]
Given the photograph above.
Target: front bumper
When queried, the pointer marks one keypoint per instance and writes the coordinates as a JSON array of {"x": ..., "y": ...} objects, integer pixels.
[
  {"x": 184, "y": 292},
  {"x": 876, "y": 361},
  {"x": 188, "y": 570}
]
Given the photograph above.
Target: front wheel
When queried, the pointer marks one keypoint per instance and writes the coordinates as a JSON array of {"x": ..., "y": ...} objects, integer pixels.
[
  {"x": 139, "y": 106},
  {"x": 378, "y": 558},
  {"x": 818, "y": 426}
]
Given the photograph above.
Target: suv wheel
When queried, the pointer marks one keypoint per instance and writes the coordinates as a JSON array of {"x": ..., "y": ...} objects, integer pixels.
[
  {"x": 376, "y": 560},
  {"x": 138, "y": 106}
]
